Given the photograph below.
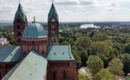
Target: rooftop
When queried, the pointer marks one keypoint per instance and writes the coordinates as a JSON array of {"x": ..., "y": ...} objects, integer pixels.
[
  {"x": 20, "y": 13},
  {"x": 11, "y": 54},
  {"x": 33, "y": 67},
  {"x": 34, "y": 30},
  {"x": 59, "y": 53},
  {"x": 52, "y": 13}
]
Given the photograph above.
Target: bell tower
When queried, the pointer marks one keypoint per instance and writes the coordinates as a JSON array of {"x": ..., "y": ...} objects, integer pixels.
[
  {"x": 53, "y": 26},
  {"x": 20, "y": 22}
]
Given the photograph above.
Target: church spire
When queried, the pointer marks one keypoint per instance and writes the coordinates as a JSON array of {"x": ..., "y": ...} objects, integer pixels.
[
  {"x": 53, "y": 26},
  {"x": 52, "y": 13},
  {"x": 20, "y": 22},
  {"x": 20, "y": 13}
]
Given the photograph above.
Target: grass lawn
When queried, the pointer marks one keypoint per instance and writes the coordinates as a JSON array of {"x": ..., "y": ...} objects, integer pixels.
[
  {"x": 128, "y": 78},
  {"x": 82, "y": 77}
]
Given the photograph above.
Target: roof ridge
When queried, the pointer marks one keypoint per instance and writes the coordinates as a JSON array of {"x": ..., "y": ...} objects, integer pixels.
[{"x": 69, "y": 51}]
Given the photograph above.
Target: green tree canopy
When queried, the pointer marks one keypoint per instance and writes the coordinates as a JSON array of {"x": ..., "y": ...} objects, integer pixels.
[
  {"x": 103, "y": 74},
  {"x": 101, "y": 48},
  {"x": 95, "y": 63},
  {"x": 127, "y": 49},
  {"x": 84, "y": 57},
  {"x": 125, "y": 58},
  {"x": 77, "y": 57},
  {"x": 100, "y": 37},
  {"x": 116, "y": 67},
  {"x": 83, "y": 43}
]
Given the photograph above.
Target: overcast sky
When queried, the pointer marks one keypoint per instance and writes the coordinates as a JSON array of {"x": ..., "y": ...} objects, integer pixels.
[{"x": 69, "y": 10}]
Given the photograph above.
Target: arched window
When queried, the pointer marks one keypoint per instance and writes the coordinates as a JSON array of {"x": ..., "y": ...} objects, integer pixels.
[
  {"x": 32, "y": 42},
  {"x": 64, "y": 75},
  {"x": 19, "y": 34},
  {"x": 19, "y": 40},
  {"x": 18, "y": 27},
  {"x": 0, "y": 76},
  {"x": 22, "y": 14},
  {"x": 19, "y": 20},
  {"x": 54, "y": 75},
  {"x": 54, "y": 40}
]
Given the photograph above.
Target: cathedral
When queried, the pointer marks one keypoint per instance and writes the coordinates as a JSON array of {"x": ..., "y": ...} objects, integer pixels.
[{"x": 37, "y": 55}]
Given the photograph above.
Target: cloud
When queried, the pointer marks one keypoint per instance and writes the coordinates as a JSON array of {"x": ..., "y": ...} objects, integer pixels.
[
  {"x": 68, "y": 10},
  {"x": 75, "y": 2},
  {"x": 66, "y": 3}
]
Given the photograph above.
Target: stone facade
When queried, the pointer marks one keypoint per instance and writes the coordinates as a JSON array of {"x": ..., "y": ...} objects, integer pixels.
[
  {"x": 61, "y": 70},
  {"x": 5, "y": 67},
  {"x": 40, "y": 45},
  {"x": 19, "y": 26},
  {"x": 53, "y": 31}
]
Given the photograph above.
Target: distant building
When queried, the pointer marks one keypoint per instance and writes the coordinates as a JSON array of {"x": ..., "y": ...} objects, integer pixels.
[
  {"x": 3, "y": 41},
  {"x": 128, "y": 74},
  {"x": 85, "y": 26},
  {"x": 37, "y": 56}
]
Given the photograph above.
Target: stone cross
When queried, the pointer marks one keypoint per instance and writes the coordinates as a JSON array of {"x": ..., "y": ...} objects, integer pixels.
[
  {"x": 52, "y": 1},
  {"x": 20, "y": 1}
]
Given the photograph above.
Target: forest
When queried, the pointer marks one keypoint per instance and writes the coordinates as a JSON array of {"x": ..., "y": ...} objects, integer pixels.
[{"x": 102, "y": 51}]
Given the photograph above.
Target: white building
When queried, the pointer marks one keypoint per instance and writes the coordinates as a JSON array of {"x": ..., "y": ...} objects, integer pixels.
[
  {"x": 3, "y": 41},
  {"x": 85, "y": 26}
]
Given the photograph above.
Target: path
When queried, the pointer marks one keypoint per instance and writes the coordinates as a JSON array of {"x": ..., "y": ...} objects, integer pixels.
[{"x": 87, "y": 74}]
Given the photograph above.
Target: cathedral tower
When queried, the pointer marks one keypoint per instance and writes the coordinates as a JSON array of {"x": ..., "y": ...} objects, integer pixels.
[
  {"x": 20, "y": 21},
  {"x": 53, "y": 26}
]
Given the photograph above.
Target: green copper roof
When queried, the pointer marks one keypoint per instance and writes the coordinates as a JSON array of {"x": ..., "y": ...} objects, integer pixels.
[
  {"x": 34, "y": 30},
  {"x": 52, "y": 13},
  {"x": 59, "y": 53},
  {"x": 20, "y": 12},
  {"x": 11, "y": 54},
  {"x": 33, "y": 67}
]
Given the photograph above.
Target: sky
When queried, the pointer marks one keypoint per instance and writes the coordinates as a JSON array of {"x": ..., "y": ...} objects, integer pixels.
[{"x": 68, "y": 10}]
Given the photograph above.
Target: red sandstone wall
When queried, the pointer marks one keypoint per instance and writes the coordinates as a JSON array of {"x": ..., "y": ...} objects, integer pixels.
[
  {"x": 16, "y": 30},
  {"x": 4, "y": 68},
  {"x": 56, "y": 69},
  {"x": 53, "y": 33},
  {"x": 40, "y": 45}
]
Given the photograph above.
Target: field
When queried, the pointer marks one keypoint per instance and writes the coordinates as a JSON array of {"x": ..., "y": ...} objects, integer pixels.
[
  {"x": 128, "y": 78},
  {"x": 82, "y": 77}
]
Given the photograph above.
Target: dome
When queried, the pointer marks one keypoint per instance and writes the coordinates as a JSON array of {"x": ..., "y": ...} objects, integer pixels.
[{"x": 34, "y": 30}]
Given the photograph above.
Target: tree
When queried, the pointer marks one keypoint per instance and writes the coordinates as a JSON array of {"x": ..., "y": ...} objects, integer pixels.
[
  {"x": 116, "y": 67},
  {"x": 65, "y": 43},
  {"x": 83, "y": 43},
  {"x": 94, "y": 63},
  {"x": 106, "y": 79},
  {"x": 84, "y": 57},
  {"x": 102, "y": 49},
  {"x": 100, "y": 37},
  {"x": 77, "y": 57},
  {"x": 77, "y": 35},
  {"x": 127, "y": 49},
  {"x": 120, "y": 47},
  {"x": 125, "y": 58},
  {"x": 103, "y": 74}
]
